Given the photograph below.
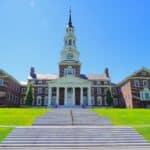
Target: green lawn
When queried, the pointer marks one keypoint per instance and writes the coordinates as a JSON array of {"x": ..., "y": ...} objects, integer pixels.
[
  {"x": 4, "y": 132},
  {"x": 20, "y": 116},
  {"x": 137, "y": 118}
]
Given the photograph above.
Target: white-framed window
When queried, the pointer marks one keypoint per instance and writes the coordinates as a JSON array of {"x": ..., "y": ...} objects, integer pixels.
[
  {"x": 116, "y": 101},
  {"x": 46, "y": 100},
  {"x": 1, "y": 82},
  {"x": 69, "y": 71},
  {"x": 39, "y": 90},
  {"x": 39, "y": 100},
  {"x": 23, "y": 90},
  {"x": 145, "y": 95},
  {"x": 136, "y": 83},
  {"x": 98, "y": 90},
  {"x": 99, "y": 100},
  {"x": 46, "y": 82},
  {"x": 145, "y": 83},
  {"x": 40, "y": 82},
  {"x": 98, "y": 82},
  {"x": 105, "y": 82},
  {"x": 33, "y": 81},
  {"x": 105, "y": 90},
  {"x": 114, "y": 90},
  {"x": 46, "y": 90}
]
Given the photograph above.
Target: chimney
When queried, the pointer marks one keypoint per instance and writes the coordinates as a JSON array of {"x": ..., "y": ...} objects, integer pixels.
[
  {"x": 32, "y": 73},
  {"x": 106, "y": 71}
]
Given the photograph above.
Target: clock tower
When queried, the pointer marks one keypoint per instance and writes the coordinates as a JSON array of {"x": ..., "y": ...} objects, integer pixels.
[{"x": 69, "y": 64}]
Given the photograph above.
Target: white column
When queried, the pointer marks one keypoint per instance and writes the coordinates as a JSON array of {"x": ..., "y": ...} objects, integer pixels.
[
  {"x": 89, "y": 96},
  {"x": 65, "y": 96},
  {"x": 57, "y": 96},
  {"x": 81, "y": 96},
  {"x": 74, "y": 96},
  {"x": 49, "y": 95}
]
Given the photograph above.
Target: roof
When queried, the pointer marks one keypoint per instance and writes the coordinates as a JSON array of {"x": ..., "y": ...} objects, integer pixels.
[
  {"x": 102, "y": 77},
  {"x": 97, "y": 77},
  {"x": 127, "y": 78},
  {"x": 45, "y": 76},
  {"x": 4, "y": 73}
]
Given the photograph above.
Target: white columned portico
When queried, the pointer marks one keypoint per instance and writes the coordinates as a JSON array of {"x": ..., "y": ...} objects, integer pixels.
[
  {"x": 89, "y": 96},
  {"x": 49, "y": 95},
  {"x": 57, "y": 96},
  {"x": 81, "y": 96},
  {"x": 69, "y": 83}
]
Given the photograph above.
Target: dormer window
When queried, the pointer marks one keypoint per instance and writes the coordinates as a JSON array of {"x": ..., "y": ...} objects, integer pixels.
[
  {"x": 136, "y": 83},
  {"x": 145, "y": 83}
]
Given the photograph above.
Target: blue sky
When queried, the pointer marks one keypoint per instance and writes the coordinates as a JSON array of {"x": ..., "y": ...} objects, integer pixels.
[{"x": 110, "y": 33}]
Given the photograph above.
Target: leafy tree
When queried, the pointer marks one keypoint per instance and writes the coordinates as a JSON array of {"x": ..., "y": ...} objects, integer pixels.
[
  {"x": 109, "y": 98},
  {"x": 29, "y": 95}
]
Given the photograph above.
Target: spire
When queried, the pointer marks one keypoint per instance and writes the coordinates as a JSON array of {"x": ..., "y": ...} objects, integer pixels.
[{"x": 70, "y": 20}]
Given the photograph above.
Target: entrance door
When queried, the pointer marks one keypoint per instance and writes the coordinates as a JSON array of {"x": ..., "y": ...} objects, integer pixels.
[
  {"x": 77, "y": 96},
  {"x": 69, "y": 101},
  {"x": 61, "y": 96}
]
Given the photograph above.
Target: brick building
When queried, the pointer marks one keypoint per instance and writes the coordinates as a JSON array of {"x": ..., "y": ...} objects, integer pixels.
[
  {"x": 71, "y": 88},
  {"x": 135, "y": 89},
  {"x": 9, "y": 90}
]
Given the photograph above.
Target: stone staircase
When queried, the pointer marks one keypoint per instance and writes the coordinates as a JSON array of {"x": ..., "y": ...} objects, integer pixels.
[
  {"x": 74, "y": 129},
  {"x": 55, "y": 117},
  {"x": 71, "y": 117},
  {"x": 74, "y": 136}
]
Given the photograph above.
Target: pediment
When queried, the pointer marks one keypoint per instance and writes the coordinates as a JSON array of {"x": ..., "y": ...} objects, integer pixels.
[{"x": 70, "y": 79}]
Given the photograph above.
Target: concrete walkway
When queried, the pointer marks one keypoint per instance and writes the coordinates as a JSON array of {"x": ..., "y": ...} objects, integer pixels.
[{"x": 74, "y": 129}]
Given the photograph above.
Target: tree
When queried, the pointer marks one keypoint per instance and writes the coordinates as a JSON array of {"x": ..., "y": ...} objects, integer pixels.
[
  {"x": 29, "y": 95},
  {"x": 109, "y": 98}
]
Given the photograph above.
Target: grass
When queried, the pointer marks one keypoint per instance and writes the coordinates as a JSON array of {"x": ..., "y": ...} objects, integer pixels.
[
  {"x": 20, "y": 116},
  {"x": 17, "y": 117},
  {"x": 137, "y": 118},
  {"x": 4, "y": 132},
  {"x": 145, "y": 131}
]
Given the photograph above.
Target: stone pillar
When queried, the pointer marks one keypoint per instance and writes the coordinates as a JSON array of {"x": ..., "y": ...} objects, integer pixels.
[
  {"x": 89, "y": 96},
  {"x": 49, "y": 95},
  {"x": 57, "y": 96},
  {"x": 65, "y": 100},
  {"x": 81, "y": 96},
  {"x": 74, "y": 103}
]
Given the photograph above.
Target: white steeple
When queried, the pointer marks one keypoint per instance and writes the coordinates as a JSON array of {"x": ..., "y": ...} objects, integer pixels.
[{"x": 69, "y": 52}]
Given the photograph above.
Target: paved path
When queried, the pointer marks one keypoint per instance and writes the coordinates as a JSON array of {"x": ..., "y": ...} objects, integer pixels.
[
  {"x": 74, "y": 129},
  {"x": 71, "y": 117}
]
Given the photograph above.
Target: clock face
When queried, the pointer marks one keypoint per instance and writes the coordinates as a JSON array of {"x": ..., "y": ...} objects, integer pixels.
[{"x": 69, "y": 56}]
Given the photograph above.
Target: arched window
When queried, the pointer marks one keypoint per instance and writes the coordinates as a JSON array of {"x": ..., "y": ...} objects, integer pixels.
[{"x": 70, "y": 42}]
